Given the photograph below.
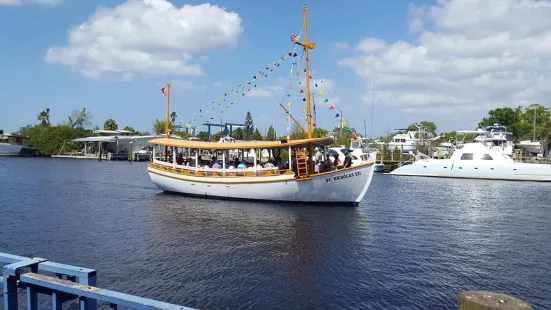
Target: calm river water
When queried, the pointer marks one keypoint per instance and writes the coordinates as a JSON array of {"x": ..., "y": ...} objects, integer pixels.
[{"x": 413, "y": 243}]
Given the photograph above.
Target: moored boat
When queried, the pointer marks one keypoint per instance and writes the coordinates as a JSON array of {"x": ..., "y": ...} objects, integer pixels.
[
  {"x": 15, "y": 145},
  {"x": 477, "y": 161},
  {"x": 289, "y": 177}
]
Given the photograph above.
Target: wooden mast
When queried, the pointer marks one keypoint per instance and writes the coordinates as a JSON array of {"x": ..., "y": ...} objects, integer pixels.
[
  {"x": 307, "y": 46},
  {"x": 167, "y": 122}
]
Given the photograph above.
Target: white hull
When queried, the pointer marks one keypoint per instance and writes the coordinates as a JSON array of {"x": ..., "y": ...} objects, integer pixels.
[
  {"x": 403, "y": 147},
  {"x": 446, "y": 168},
  {"x": 15, "y": 150},
  {"x": 530, "y": 147},
  {"x": 341, "y": 186}
]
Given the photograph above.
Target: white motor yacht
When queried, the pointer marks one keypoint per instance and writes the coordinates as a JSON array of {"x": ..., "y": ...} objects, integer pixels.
[{"x": 477, "y": 161}]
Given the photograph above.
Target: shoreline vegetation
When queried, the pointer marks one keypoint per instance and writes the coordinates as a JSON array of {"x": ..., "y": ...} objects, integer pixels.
[{"x": 48, "y": 139}]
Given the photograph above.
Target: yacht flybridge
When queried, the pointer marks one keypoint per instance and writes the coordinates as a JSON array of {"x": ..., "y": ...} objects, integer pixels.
[
  {"x": 477, "y": 160},
  {"x": 289, "y": 177}
]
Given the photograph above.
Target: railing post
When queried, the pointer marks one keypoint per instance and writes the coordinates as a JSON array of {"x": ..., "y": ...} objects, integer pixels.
[
  {"x": 57, "y": 302},
  {"x": 11, "y": 275},
  {"x": 90, "y": 280},
  {"x": 10, "y": 293}
]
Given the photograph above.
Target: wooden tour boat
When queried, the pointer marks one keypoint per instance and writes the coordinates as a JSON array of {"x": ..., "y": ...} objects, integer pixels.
[{"x": 295, "y": 181}]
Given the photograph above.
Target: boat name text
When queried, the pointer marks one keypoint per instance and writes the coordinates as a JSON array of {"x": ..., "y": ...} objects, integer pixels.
[{"x": 344, "y": 176}]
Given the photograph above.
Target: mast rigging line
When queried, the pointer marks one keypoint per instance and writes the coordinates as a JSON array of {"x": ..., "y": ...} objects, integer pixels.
[{"x": 231, "y": 96}]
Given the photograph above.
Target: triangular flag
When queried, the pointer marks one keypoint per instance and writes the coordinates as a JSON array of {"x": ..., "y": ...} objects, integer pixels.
[
  {"x": 302, "y": 91},
  {"x": 289, "y": 103},
  {"x": 331, "y": 108},
  {"x": 326, "y": 100},
  {"x": 303, "y": 99},
  {"x": 320, "y": 93},
  {"x": 337, "y": 115}
]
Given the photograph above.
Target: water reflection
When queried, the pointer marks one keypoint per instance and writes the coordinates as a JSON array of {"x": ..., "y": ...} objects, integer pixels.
[{"x": 292, "y": 247}]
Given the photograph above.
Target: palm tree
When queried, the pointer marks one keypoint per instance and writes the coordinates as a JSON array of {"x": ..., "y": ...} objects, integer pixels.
[
  {"x": 173, "y": 117},
  {"x": 44, "y": 117},
  {"x": 159, "y": 126}
]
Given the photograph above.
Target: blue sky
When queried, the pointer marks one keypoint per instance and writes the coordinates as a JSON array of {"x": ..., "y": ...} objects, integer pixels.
[{"x": 30, "y": 83}]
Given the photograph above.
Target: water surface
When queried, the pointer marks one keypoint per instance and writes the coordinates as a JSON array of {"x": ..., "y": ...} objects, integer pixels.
[{"x": 413, "y": 243}]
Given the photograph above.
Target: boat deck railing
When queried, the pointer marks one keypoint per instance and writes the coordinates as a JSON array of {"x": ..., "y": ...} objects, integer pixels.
[
  {"x": 219, "y": 172},
  {"x": 64, "y": 283}
]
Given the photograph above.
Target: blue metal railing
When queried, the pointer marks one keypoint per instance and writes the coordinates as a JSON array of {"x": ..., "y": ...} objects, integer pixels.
[{"x": 69, "y": 283}]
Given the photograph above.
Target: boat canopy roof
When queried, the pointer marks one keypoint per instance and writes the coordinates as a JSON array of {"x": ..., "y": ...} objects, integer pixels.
[{"x": 240, "y": 144}]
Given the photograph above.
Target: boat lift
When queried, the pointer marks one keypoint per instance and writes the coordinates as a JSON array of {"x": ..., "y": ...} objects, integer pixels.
[{"x": 228, "y": 129}]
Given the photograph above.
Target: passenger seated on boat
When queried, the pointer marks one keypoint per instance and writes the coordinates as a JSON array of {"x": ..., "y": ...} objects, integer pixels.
[
  {"x": 216, "y": 165},
  {"x": 327, "y": 165},
  {"x": 242, "y": 165},
  {"x": 347, "y": 160},
  {"x": 269, "y": 164},
  {"x": 180, "y": 159},
  {"x": 337, "y": 161}
]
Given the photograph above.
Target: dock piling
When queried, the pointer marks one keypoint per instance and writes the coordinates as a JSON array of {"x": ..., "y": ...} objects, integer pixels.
[{"x": 484, "y": 300}]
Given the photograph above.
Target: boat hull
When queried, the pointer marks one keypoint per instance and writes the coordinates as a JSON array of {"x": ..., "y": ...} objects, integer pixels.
[
  {"x": 346, "y": 186},
  {"x": 450, "y": 169},
  {"x": 16, "y": 150}
]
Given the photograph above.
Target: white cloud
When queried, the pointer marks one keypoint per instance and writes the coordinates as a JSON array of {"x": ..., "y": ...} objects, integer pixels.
[
  {"x": 11, "y": 2},
  {"x": 147, "y": 37},
  {"x": 340, "y": 46},
  {"x": 218, "y": 84},
  {"x": 20, "y": 2},
  {"x": 471, "y": 56},
  {"x": 265, "y": 92},
  {"x": 187, "y": 85}
]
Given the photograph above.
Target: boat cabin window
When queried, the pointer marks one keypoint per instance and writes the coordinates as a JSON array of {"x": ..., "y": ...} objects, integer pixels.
[
  {"x": 467, "y": 156},
  {"x": 486, "y": 157},
  {"x": 403, "y": 140}
]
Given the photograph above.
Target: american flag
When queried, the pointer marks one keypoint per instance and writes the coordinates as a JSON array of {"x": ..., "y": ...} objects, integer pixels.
[
  {"x": 294, "y": 38},
  {"x": 165, "y": 91}
]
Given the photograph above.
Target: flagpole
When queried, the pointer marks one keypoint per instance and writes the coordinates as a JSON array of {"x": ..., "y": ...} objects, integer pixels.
[{"x": 167, "y": 121}]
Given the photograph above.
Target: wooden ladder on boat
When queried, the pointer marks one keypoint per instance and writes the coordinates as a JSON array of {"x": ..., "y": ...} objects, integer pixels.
[{"x": 302, "y": 166}]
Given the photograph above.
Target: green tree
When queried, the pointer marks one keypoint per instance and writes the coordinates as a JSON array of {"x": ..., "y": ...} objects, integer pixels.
[
  {"x": 203, "y": 135},
  {"x": 502, "y": 116},
  {"x": 256, "y": 136},
  {"x": 49, "y": 140},
  {"x": 110, "y": 124},
  {"x": 79, "y": 118},
  {"x": 297, "y": 133},
  {"x": 173, "y": 117},
  {"x": 129, "y": 129},
  {"x": 249, "y": 121},
  {"x": 238, "y": 133},
  {"x": 44, "y": 117},
  {"x": 271, "y": 135},
  {"x": 428, "y": 127},
  {"x": 159, "y": 127},
  {"x": 319, "y": 133}
]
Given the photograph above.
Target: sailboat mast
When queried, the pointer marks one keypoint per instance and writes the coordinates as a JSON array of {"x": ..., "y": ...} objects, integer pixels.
[
  {"x": 535, "y": 113},
  {"x": 307, "y": 46},
  {"x": 372, "y": 103}
]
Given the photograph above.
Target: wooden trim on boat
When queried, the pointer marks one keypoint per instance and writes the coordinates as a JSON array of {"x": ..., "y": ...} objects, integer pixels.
[
  {"x": 232, "y": 177},
  {"x": 240, "y": 144}
]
